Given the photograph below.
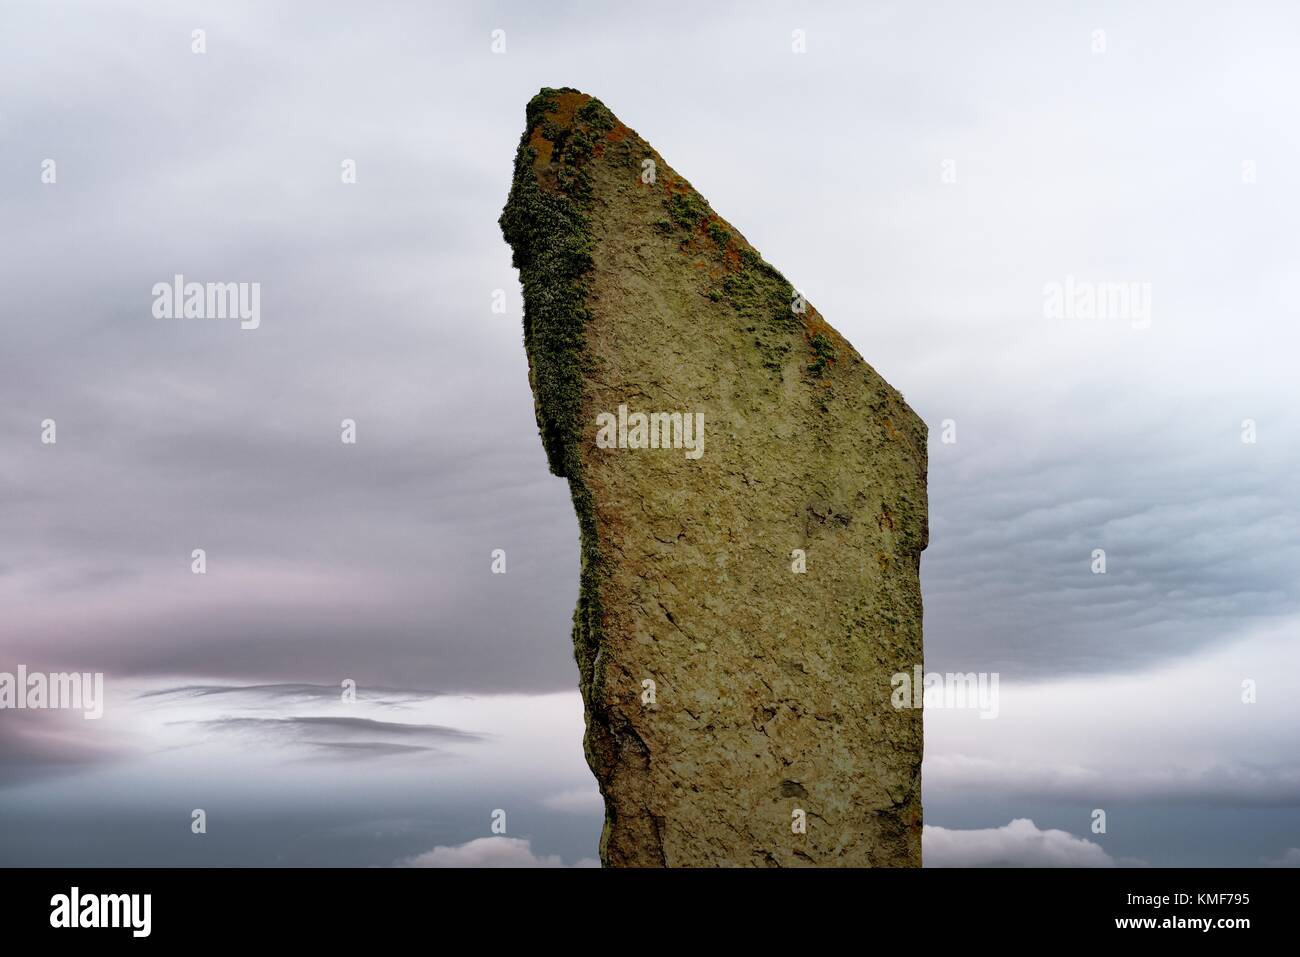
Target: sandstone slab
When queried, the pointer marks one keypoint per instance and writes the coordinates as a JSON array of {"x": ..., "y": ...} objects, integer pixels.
[{"x": 744, "y": 599}]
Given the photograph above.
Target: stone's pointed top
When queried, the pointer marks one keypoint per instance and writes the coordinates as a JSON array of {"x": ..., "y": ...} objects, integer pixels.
[
  {"x": 549, "y": 94},
  {"x": 571, "y": 142},
  {"x": 559, "y": 107},
  {"x": 751, "y": 503}
]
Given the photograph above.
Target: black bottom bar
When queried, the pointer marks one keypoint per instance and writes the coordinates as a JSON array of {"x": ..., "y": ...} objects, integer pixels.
[{"x": 661, "y": 909}]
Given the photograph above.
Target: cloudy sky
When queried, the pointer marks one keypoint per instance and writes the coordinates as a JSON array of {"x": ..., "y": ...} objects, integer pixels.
[{"x": 923, "y": 173}]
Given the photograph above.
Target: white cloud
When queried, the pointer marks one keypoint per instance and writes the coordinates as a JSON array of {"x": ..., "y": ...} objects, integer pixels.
[
  {"x": 1290, "y": 859},
  {"x": 1019, "y": 844},
  {"x": 488, "y": 852}
]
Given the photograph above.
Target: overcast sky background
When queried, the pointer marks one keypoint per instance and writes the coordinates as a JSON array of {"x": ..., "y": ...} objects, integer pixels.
[{"x": 372, "y": 562}]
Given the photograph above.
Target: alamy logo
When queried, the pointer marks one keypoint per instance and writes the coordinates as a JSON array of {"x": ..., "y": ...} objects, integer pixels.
[
  {"x": 651, "y": 430},
  {"x": 75, "y": 691},
  {"x": 1074, "y": 299},
  {"x": 102, "y": 910},
  {"x": 936, "y": 689},
  {"x": 179, "y": 299}
]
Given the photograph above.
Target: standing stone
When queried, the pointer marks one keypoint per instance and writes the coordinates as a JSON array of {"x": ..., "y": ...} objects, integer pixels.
[{"x": 741, "y": 610}]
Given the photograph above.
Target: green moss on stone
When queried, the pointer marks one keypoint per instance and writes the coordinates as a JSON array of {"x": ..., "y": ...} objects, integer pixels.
[
  {"x": 551, "y": 244},
  {"x": 823, "y": 351},
  {"x": 548, "y": 231},
  {"x": 687, "y": 210},
  {"x": 597, "y": 116}
]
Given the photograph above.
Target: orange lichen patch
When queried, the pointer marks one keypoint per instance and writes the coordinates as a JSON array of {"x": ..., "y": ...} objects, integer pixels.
[
  {"x": 618, "y": 133},
  {"x": 566, "y": 104},
  {"x": 542, "y": 170},
  {"x": 542, "y": 148},
  {"x": 889, "y": 427},
  {"x": 729, "y": 247},
  {"x": 815, "y": 325}
]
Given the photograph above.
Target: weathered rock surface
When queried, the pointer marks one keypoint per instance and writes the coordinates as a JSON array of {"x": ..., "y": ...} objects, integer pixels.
[{"x": 771, "y": 686}]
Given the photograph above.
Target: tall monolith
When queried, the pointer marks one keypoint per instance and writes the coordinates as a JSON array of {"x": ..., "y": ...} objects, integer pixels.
[{"x": 751, "y": 503}]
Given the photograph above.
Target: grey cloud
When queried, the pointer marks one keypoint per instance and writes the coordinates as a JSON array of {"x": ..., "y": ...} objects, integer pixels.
[
  {"x": 285, "y": 690},
  {"x": 342, "y": 726},
  {"x": 1199, "y": 532},
  {"x": 365, "y": 749},
  {"x": 37, "y": 744},
  {"x": 1226, "y": 783}
]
